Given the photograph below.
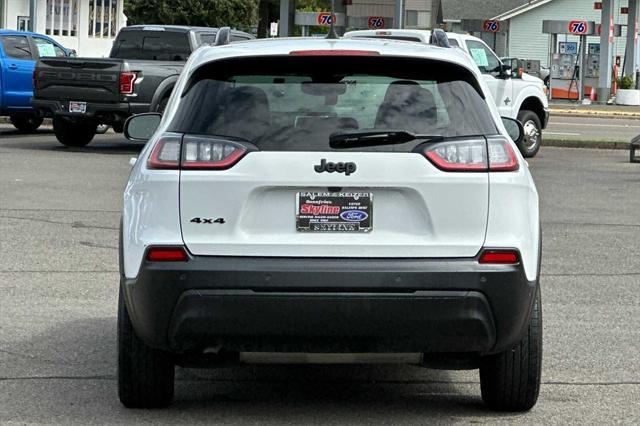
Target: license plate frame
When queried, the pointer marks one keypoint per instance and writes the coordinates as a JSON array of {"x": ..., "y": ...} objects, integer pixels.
[
  {"x": 338, "y": 212},
  {"x": 78, "y": 107}
]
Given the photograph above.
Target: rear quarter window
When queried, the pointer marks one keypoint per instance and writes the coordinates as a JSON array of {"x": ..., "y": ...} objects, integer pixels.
[{"x": 152, "y": 45}]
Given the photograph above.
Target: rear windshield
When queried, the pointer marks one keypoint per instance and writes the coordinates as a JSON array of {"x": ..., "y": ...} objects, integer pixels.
[
  {"x": 295, "y": 103},
  {"x": 152, "y": 45}
]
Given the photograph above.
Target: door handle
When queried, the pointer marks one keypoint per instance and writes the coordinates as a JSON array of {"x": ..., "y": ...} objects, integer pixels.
[{"x": 13, "y": 67}]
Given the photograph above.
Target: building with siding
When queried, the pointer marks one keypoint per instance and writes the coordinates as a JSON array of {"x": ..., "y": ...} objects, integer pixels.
[
  {"x": 88, "y": 26},
  {"x": 524, "y": 38},
  {"x": 417, "y": 13}
]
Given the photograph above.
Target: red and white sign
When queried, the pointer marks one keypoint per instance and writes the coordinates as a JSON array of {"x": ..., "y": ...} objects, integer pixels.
[
  {"x": 578, "y": 27},
  {"x": 491, "y": 26},
  {"x": 376, "y": 22},
  {"x": 326, "y": 18}
]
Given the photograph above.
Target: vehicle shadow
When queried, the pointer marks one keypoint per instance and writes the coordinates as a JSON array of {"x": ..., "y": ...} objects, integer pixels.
[
  {"x": 83, "y": 353},
  {"x": 110, "y": 144}
]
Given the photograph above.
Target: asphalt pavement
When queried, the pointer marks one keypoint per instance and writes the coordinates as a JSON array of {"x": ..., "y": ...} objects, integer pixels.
[
  {"x": 592, "y": 128},
  {"x": 59, "y": 213}
]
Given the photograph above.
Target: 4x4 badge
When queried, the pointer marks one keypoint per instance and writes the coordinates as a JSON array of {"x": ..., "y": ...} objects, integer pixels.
[{"x": 346, "y": 168}]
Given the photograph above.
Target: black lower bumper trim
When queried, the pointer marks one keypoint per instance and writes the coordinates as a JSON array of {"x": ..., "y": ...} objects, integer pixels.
[
  {"x": 330, "y": 305},
  {"x": 248, "y": 321}
]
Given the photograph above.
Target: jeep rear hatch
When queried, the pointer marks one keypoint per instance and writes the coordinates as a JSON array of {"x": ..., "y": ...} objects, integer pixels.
[{"x": 260, "y": 176}]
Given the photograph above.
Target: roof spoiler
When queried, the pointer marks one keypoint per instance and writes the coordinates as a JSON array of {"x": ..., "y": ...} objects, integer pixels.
[
  {"x": 439, "y": 38},
  {"x": 223, "y": 36}
]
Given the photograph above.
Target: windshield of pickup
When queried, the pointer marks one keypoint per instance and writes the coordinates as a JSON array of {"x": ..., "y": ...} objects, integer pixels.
[
  {"x": 151, "y": 45},
  {"x": 296, "y": 103}
]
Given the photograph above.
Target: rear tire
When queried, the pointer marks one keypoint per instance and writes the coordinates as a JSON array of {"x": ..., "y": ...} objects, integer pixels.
[
  {"x": 532, "y": 133},
  {"x": 75, "y": 133},
  {"x": 26, "y": 123},
  {"x": 510, "y": 380},
  {"x": 145, "y": 375}
]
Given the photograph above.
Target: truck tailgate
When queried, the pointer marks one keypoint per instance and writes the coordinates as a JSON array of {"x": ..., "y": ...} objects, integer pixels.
[{"x": 79, "y": 79}]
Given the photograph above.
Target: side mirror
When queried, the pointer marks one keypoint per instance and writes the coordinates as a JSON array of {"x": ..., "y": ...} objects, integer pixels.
[
  {"x": 73, "y": 53},
  {"x": 514, "y": 129},
  {"x": 141, "y": 127}
]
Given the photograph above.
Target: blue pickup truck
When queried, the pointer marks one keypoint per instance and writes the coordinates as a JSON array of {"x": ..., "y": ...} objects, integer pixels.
[{"x": 19, "y": 51}]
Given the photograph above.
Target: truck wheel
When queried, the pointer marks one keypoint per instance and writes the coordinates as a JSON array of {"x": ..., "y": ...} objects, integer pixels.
[
  {"x": 74, "y": 133},
  {"x": 145, "y": 375},
  {"x": 532, "y": 133},
  {"x": 510, "y": 380},
  {"x": 26, "y": 123}
]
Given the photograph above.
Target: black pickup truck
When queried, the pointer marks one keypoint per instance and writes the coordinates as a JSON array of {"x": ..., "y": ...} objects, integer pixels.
[{"x": 139, "y": 75}]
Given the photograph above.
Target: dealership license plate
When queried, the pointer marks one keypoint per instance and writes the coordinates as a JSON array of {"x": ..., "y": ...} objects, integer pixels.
[
  {"x": 334, "y": 211},
  {"x": 78, "y": 107}
]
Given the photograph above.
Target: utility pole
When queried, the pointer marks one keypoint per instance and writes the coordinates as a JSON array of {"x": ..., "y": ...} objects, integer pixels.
[
  {"x": 33, "y": 11},
  {"x": 399, "y": 19}
]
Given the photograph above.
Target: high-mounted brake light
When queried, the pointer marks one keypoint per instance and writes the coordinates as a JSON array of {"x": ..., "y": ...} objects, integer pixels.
[
  {"x": 499, "y": 257},
  {"x": 328, "y": 52},
  {"x": 167, "y": 254},
  {"x": 126, "y": 82}
]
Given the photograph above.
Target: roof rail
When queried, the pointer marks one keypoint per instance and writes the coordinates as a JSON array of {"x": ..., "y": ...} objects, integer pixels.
[
  {"x": 439, "y": 38},
  {"x": 223, "y": 36}
]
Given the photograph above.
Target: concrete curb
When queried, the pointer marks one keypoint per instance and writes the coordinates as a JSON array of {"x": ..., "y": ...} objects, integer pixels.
[
  {"x": 577, "y": 143},
  {"x": 597, "y": 114}
]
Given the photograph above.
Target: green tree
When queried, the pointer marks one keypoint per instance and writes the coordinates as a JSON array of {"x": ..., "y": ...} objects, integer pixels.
[{"x": 241, "y": 14}]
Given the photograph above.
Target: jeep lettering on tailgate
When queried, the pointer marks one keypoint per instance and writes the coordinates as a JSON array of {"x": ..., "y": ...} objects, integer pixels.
[{"x": 346, "y": 168}]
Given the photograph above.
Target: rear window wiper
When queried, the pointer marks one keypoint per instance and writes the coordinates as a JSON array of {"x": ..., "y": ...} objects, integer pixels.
[{"x": 366, "y": 138}]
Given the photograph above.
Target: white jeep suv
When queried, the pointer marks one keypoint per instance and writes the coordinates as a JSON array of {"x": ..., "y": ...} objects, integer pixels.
[
  {"x": 516, "y": 94},
  {"x": 330, "y": 197}
]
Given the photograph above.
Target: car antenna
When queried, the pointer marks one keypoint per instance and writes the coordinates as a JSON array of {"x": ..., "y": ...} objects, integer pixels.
[{"x": 332, "y": 30}]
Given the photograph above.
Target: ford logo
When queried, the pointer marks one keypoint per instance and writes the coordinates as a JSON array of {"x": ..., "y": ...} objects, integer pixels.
[{"x": 354, "y": 215}]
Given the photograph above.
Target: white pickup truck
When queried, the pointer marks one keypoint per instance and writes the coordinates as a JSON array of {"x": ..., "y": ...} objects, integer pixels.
[{"x": 516, "y": 94}]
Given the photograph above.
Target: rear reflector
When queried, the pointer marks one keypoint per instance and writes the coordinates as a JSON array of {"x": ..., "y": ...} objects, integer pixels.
[
  {"x": 126, "y": 82},
  {"x": 167, "y": 254},
  {"x": 501, "y": 257},
  {"x": 328, "y": 52}
]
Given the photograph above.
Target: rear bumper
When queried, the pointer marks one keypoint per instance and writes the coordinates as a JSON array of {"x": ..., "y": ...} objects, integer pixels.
[
  {"x": 50, "y": 108},
  {"x": 329, "y": 305}
]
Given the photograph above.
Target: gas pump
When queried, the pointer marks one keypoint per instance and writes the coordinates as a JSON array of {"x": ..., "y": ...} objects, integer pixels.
[
  {"x": 567, "y": 59},
  {"x": 575, "y": 66}
]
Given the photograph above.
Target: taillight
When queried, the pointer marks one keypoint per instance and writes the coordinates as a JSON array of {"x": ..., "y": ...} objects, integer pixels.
[
  {"x": 502, "y": 157},
  {"x": 167, "y": 254},
  {"x": 459, "y": 156},
  {"x": 471, "y": 155},
  {"x": 126, "y": 82},
  {"x": 166, "y": 153},
  {"x": 201, "y": 153},
  {"x": 499, "y": 257}
]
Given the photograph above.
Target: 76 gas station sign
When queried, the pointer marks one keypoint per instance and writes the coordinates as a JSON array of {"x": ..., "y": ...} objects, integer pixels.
[
  {"x": 578, "y": 27},
  {"x": 491, "y": 26}
]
